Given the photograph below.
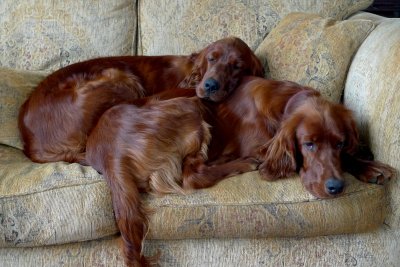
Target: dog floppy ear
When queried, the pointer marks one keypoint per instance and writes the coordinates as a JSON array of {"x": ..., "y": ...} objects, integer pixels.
[
  {"x": 352, "y": 136},
  {"x": 195, "y": 75},
  {"x": 298, "y": 99},
  {"x": 256, "y": 67},
  {"x": 280, "y": 153}
]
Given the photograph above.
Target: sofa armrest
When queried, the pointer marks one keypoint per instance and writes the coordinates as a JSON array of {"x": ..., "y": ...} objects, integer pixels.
[
  {"x": 367, "y": 16},
  {"x": 372, "y": 91}
]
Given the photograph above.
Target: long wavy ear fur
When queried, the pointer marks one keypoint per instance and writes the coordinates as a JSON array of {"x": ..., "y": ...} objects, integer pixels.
[
  {"x": 257, "y": 68},
  {"x": 195, "y": 75},
  {"x": 352, "y": 136},
  {"x": 279, "y": 154}
]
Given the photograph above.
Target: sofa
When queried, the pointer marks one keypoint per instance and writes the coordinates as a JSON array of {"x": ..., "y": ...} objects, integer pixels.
[{"x": 60, "y": 214}]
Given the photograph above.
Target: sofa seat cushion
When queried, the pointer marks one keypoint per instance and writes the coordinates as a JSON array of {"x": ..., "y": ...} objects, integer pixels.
[
  {"x": 52, "y": 203},
  {"x": 55, "y": 203}
]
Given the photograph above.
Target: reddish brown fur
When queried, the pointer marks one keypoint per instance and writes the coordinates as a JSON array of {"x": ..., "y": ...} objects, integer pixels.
[
  {"x": 290, "y": 128},
  {"x": 160, "y": 147},
  {"x": 61, "y": 112}
]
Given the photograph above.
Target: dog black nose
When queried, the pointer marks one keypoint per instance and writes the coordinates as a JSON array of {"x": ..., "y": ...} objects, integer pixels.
[
  {"x": 334, "y": 186},
  {"x": 211, "y": 85}
]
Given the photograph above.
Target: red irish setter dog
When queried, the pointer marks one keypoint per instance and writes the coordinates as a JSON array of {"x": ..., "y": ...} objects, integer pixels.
[
  {"x": 60, "y": 113},
  {"x": 290, "y": 128},
  {"x": 158, "y": 147},
  {"x": 168, "y": 146}
]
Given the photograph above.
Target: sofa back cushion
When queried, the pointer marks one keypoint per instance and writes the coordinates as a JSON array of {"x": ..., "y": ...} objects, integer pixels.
[
  {"x": 46, "y": 35},
  {"x": 313, "y": 51},
  {"x": 184, "y": 26}
]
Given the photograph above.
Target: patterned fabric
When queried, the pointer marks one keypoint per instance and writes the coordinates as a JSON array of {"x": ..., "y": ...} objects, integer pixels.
[
  {"x": 313, "y": 51},
  {"x": 368, "y": 16},
  {"x": 47, "y": 35},
  {"x": 373, "y": 92},
  {"x": 245, "y": 206},
  {"x": 379, "y": 248},
  {"x": 15, "y": 87},
  {"x": 185, "y": 26},
  {"x": 43, "y": 204},
  {"x": 96, "y": 253},
  {"x": 56, "y": 203}
]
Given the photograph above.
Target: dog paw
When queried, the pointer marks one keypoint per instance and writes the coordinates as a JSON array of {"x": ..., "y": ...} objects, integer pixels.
[
  {"x": 379, "y": 178},
  {"x": 242, "y": 165},
  {"x": 377, "y": 173},
  {"x": 252, "y": 162}
]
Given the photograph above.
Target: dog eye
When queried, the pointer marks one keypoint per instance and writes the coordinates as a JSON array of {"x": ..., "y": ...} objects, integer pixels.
[
  {"x": 310, "y": 146},
  {"x": 340, "y": 145},
  {"x": 237, "y": 66},
  {"x": 211, "y": 59}
]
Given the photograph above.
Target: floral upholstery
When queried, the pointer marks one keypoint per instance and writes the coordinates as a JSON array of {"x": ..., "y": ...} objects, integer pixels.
[{"x": 60, "y": 214}]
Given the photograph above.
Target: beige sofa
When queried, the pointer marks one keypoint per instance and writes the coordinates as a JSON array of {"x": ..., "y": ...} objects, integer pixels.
[{"x": 61, "y": 215}]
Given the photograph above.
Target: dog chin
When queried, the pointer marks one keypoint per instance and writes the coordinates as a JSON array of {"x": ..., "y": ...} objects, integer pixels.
[
  {"x": 200, "y": 92},
  {"x": 316, "y": 190}
]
